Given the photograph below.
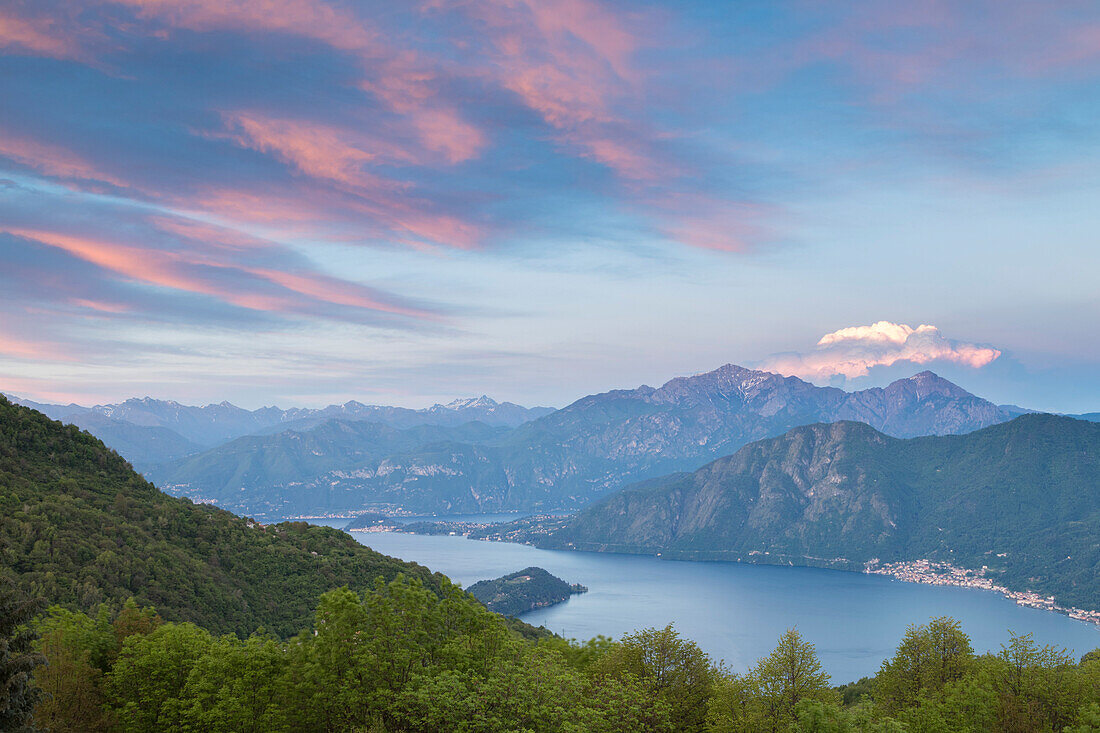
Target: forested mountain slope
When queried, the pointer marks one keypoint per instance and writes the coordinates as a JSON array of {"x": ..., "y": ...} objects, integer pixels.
[
  {"x": 78, "y": 526},
  {"x": 1022, "y": 498}
]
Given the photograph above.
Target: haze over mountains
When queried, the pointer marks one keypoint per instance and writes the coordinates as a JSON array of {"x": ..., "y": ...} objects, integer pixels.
[
  {"x": 147, "y": 431},
  {"x": 320, "y": 462}
]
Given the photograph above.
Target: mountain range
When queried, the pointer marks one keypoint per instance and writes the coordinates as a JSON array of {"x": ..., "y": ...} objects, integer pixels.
[
  {"x": 1021, "y": 498},
  {"x": 149, "y": 432},
  {"x": 562, "y": 460},
  {"x": 316, "y": 470}
]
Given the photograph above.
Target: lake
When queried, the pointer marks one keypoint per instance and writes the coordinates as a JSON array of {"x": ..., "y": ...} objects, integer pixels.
[{"x": 736, "y": 612}]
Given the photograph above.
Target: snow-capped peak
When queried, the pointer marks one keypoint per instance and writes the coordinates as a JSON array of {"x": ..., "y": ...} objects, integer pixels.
[{"x": 471, "y": 402}]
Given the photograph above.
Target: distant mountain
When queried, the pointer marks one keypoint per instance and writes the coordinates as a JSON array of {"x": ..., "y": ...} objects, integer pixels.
[
  {"x": 149, "y": 432},
  {"x": 601, "y": 442},
  {"x": 295, "y": 472},
  {"x": 1090, "y": 416},
  {"x": 143, "y": 445},
  {"x": 1022, "y": 498},
  {"x": 458, "y": 412},
  {"x": 1016, "y": 410},
  {"x": 567, "y": 458},
  {"x": 78, "y": 527},
  {"x": 204, "y": 426}
]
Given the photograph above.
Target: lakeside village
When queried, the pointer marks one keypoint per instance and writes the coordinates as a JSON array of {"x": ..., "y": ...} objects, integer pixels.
[{"x": 941, "y": 573}]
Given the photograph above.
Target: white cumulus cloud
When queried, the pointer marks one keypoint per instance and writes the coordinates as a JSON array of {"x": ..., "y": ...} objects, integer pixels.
[{"x": 852, "y": 351}]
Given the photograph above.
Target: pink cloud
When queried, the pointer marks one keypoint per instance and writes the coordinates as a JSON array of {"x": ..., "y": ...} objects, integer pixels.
[
  {"x": 307, "y": 18},
  {"x": 591, "y": 23},
  {"x": 101, "y": 306},
  {"x": 52, "y": 160},
  {"x": 196, "y": 266},
  {"x": 895, "y": 48},
  {"x": 143, "y": 265},
  {"x": 853, "y": 351},
  {"x": 340, "y": 156},
  {"x": 337, "y": 292},
  {"x": 442, "y": 130},
  {"x": 25, "y": 35},
  {"x": 398, "y": 76},
  {"x": 20, "y": 348},
  {"x": 705, "y": 222},
  {"x": 315, "y": 149},
  {"x": 570, "y": 61},
  {"x": 269, "y": 207}
]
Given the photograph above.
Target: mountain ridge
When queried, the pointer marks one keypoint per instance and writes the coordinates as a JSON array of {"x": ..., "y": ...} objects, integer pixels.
[
  {"x": 150, "y": 432},
  {"x": 601, "y": 442}
]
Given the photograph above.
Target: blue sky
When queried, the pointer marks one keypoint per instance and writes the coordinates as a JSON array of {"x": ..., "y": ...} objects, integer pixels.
[{"x": 302, "y": 202}]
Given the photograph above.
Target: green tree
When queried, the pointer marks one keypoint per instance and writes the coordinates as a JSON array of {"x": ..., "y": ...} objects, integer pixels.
[
  {"x": 1040, "y": 687},
  {"x": 77, "y": 649},
  {"x": 145, "y": 686},
  {"x": 779, "y": 682},
  {"x": 674, "y": 669},
  {"x": 1088, "y": 720},
  {"x": 929, "y": 658},
  {"x": 732, "y": 706},
  {"x": 236, "y": 687},
  {"x": 18, "y": 660}
]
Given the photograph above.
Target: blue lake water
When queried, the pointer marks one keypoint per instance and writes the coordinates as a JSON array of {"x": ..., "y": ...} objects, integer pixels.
[{"x": 736, "y": 612}]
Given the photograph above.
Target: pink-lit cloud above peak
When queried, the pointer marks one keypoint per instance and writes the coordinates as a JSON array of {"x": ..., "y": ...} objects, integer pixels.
[{"x": 853, "y": 351}]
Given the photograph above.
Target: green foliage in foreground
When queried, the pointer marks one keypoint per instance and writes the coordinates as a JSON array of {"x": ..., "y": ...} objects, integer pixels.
[
  {"x": 400, "y": 657},
  {"x": 18, "y": 660},
  {"x": 79, "y": 527}
]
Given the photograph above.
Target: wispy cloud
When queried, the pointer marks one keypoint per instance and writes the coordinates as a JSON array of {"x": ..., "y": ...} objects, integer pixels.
[
  {"x": 229, "y": 163},
  {"x": 38, "y": 35},
  {"x": 53, "y": 160},
  {"x": 171, "y": 253}
]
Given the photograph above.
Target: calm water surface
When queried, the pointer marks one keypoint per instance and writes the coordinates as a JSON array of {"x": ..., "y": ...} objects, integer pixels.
[{"x": 736, "y": 612}]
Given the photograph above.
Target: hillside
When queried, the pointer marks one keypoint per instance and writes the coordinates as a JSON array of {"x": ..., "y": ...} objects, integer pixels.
[
  {"x": 78, "y": 526},
  {"x": 1022, "y": 498},
  {"x": 575, "y": 455}
]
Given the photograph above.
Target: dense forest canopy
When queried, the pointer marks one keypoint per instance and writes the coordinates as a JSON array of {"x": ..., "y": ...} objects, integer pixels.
[{"x": 402, "y": 658}]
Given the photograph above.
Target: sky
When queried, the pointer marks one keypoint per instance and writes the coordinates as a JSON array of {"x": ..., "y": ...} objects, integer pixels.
[{"x": 301, "y": 202}]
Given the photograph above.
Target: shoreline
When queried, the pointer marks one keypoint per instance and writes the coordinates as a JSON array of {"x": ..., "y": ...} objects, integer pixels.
[
  {"x": 924, "y": 571},
  {"x": 931, "y": 572}
]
